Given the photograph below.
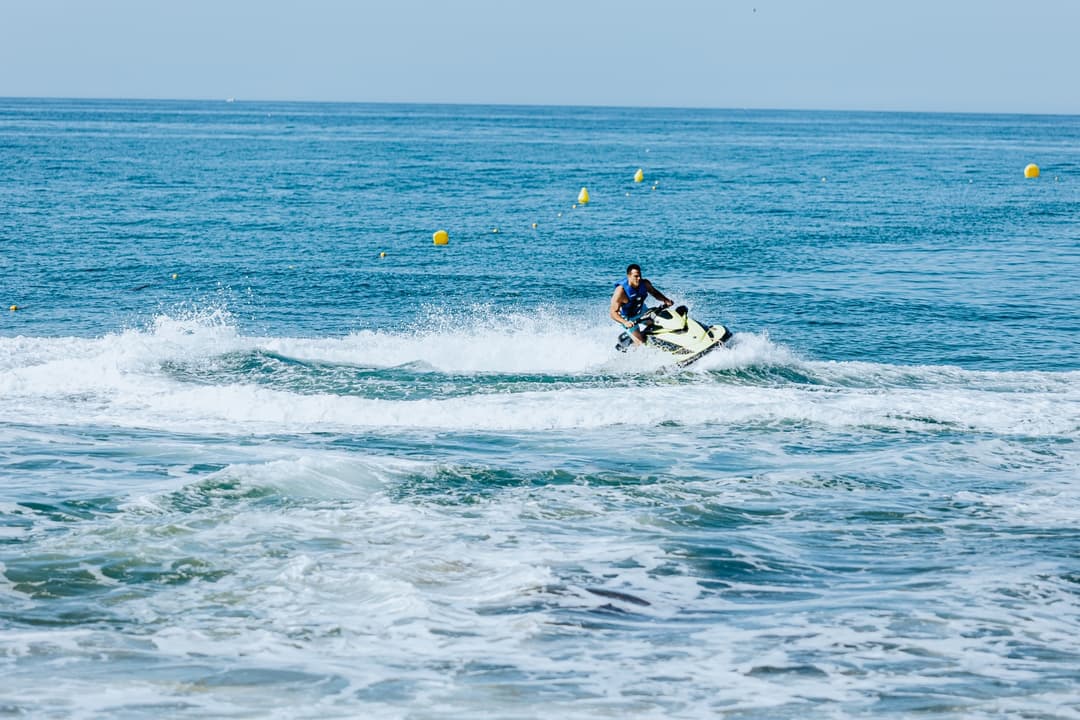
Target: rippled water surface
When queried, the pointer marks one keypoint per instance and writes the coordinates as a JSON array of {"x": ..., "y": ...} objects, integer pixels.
[{"x": 265, "y": 451}]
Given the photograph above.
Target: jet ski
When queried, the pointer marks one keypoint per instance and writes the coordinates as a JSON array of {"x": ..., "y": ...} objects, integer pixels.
[{"x": 674, "y": 331}]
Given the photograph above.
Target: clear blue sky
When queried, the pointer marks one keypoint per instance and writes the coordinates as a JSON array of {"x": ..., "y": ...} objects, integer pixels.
[{"x": 936, "y": 55}]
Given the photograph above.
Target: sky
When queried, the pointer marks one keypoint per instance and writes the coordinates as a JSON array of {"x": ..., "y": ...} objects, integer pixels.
[{"x": 920, "y": 55}]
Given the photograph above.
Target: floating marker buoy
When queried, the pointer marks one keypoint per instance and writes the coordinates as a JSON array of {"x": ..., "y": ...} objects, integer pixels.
[
  {"x": 534, "y": 226},
  {"x": 13, "y": 308},
  {"x": 574, "y": 206},
  {"x": 639, "y": 175},
  {"x": 583, "y": 196},
  {"x": 382, "y": 254},
  {"x": 1031, "y": 170},
  {"x": 494, "y": 230},
  {"x": 441, "y": 237},
  {"x": 174, "y": 276},
  {"x": 559, "y": 215},
  {"x": 627, "y": 194}
]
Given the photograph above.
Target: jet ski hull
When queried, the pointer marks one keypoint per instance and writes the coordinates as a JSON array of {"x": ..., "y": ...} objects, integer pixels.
[{"x": 675, "y": 332}]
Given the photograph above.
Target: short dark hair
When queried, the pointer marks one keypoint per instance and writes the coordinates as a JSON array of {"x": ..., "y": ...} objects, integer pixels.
[{"x": 631, "y": 267}]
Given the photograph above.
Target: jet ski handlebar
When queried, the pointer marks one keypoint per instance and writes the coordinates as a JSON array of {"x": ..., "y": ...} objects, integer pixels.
[{"x": 649, "y": 312}]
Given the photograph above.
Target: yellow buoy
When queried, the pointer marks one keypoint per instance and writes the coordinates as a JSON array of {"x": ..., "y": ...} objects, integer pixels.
[
  {"x": 639, "y": 175},
  {"x": 382, "y": 254},
  {"x": 1031, "y": 170},
  {"x": 583, "y": 196},
  {"x": 494, "y": 230},
  {"x": 534, "y": 226},
  {"x": 13, "y": 308},
  {"x": 441, "y": 237},
  {"x": 174, "y": 276}
]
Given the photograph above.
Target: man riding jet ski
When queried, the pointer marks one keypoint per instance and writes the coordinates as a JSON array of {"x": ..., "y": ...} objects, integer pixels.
[{"x": 673, "y": 331}]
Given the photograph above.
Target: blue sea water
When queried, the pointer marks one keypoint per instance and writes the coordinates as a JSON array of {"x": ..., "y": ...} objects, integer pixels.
[{"x": 251, "y": 467}]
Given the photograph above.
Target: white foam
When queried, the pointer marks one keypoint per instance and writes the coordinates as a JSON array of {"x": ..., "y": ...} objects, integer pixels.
[
  {"x": 243, "y": 408},
  {"x": 377, "y": 588},
  {"x": 119, "y": 380},
  {"x": 746, "y": 350}
]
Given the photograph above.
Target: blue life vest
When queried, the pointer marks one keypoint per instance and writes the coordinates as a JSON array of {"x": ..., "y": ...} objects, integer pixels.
[{"x": 632, "y": 308}]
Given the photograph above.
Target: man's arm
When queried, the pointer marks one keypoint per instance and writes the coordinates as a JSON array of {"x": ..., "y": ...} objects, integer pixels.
[
  {"x": 656, "y": 293},
  {"x": 617, "y": 299}
]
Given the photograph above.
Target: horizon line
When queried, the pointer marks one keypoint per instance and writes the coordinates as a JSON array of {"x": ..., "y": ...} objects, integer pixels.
[{"x": 444, "y": 103}]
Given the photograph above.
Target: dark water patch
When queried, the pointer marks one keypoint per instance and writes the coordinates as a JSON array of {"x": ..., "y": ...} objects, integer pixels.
[
  {"x": 609, "y": 609},
  {"x": 14, "y": 710},
  {"x": 467, "y": 485},
  {"x": 173, "y": 572},
  {"x": 774, "y": 671},
  {"x": 843, "y": 481},
  {"x": 1073, "y": 578},
  {"x": 717, "y": 516},
  {"x": 74, "y": 510},
  {"x": 456, "y": 485},
  {"x": 218, "y": 492},
  {"x": 894, "y": 517},
  {"x": 59, "y": 613},
  {"x": 1047, "y": 590},
  {"x": 46, "y": 463},
  {"x": 767, "y": 376},
  {"x": 1046, "y": 653},
  {"x": 749, "y": 575},
  {"x": 205, "y": 468},
  {"x": 619, "y": 595},
  {"x": 929, "y": 422},
  {"x": 572, "y": 603},
  {"x": 63, "y": 576},
  {"x": 52, "y": 577}
]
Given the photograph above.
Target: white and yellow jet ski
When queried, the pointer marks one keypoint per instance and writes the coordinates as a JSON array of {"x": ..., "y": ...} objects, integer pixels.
[{"x": 674, "y": 331}]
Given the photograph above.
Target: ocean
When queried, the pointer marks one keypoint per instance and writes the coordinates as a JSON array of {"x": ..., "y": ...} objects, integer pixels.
[{"x": 267, "y": 451}]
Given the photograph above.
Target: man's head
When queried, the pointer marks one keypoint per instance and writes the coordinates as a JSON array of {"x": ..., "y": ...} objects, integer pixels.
[{"x": 633, "y": 274}]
